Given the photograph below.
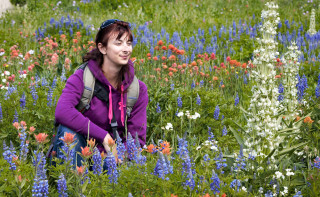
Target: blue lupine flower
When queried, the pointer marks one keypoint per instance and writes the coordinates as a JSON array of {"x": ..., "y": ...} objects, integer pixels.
[
  {"x": 54, "y": 83},
  {"x": 40, "y": 184},
  {"x": 193, "y": 85},
  {"x": 302, "y": 85},
  {"x": 201, "y": 83},
  {"x": 67, "y": 154},
  {"x": 280, "y": 90},
  {"x": 224, "y": 131},
  {"x": 161, "y": 169},
  {"x": 23, "y": 101},
  {"x": 215, "y": 185},
  {"x": 211, "y": 136},
  {"x": 220, "y": 162},
  {"x": 172, "y": 86},
  {"x": 236, "y": 100},
  {"x": 198, "y": 100},
  {"x": 44, "y": 82},
  {"x": 111, "y": 166},
  {"x": 318, "y": 88},
  {"x": 34, "y": 94},
  {"x": 62, "y": 186},
  {"x": 268, "y": 194},
  {"x": 120, "y": 146},
  {"x": 10, "y": 90},
  {"x": 158, "y": 108},
  {"x": 15, "y": 117},
  {"x": 9, "y": 154},
  {"x": 236, "y": 184},
  {"x": 134, "y": 151},
  {"x": 85, "y": 177},
  {"x": 245, "y": 80},
  {"x": 49, "y": 97},
  {"x": 97, "y": 162},
  {"x": 298, "y": 194},
  {"x": 23, "y": 145},
  {"x": 316, "y": 163},
  {"x": 206, "y": 158},
  {"x": 216, "y": 113},
  {"x": 40, "y": 187},
  {"x": 179, "y": 101},
  {"x": 1, "y": 115}
]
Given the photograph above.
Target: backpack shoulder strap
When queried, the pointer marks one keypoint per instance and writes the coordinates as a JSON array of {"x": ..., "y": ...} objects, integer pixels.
[
  {"x": 132, "y": 95},
  {"x": 89, "y": 82}
]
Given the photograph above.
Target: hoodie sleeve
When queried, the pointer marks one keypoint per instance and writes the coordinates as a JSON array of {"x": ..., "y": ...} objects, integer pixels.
[
  {"x": 137, "y": 123},
  {"x": 66, "y": 113}
]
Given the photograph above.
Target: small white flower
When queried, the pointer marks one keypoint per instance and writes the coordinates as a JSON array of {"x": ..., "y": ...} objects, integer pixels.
[
  {"x": 6, "y": 72},
  {"x": 244, "y": 189},
  {"x": 214, "y": 148},
  {"x": 1, "y": 53},
  {"x": 169, "y": 126},
  {"x": 279, "y": 175},
  {"x": 180, "y": 114},
  {"x": 198, "y": 147},
  {"x": 4, "y": 80},
  {"x": 289, "y": 173},
  {"x": 31, "y": 52},
  {"x": 20, "y": 55}
]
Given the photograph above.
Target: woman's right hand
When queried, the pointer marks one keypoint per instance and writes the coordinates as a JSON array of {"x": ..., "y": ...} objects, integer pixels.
[{"x": 110, "y": 145}]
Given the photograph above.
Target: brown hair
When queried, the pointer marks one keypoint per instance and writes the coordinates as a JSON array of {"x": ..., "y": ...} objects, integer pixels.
[{"x": 103, "y": 35}]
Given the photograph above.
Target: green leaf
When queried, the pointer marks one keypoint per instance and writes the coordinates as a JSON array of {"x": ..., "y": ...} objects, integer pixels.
[
  {"x": 84, "y": 186},
  {"x": 237, "y": 136},
  {"x": 284, "y": 151}
]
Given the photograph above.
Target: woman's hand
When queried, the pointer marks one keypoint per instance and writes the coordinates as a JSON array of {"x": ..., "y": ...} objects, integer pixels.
[{"x": 110, "y": 145}]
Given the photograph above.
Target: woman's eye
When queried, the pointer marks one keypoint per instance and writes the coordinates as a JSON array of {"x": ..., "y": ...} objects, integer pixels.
[{"x": 129, "y": 43}]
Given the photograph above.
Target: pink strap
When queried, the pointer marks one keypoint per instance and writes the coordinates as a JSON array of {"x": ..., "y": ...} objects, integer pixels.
[
  {"x": 110, "y": 105},
  {"x": 122, "y": 106}
]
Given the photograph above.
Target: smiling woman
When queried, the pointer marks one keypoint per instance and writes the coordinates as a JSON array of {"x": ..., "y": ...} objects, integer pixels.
[{"x": 113, "y": 75}]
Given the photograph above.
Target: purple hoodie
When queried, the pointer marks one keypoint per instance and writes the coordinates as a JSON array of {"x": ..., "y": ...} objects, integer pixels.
[{"x": 98, "y": 113}]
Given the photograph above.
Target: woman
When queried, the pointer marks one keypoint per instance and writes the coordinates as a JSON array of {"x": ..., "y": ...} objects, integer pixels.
[{"x": 110, "y": 64}]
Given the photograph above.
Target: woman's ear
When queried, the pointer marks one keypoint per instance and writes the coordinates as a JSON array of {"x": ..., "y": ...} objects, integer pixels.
[{"x": 102, "y": 48}]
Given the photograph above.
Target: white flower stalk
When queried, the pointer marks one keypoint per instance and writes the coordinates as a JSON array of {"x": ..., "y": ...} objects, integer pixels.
[
  {"x": 289, "y": 81},
  {"x": 312, "y": 28},
  {"x": 262, "y": 124}
]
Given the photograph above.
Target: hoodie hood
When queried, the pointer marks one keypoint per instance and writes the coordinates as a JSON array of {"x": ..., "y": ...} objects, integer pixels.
[{"x": 98, "y": 74}]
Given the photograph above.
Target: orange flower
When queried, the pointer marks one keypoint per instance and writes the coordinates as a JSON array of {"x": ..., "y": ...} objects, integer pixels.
[
  {"x": 193, "y": 63},
  {"x": 148, "y": 54},
  {"x": 80, "y": 170},
  {"x": 165, "y": 144},
  {"x": 164, "y": 48},
  {"x": 172, "y": 195},
  {"x": 156, "y": 48},
  {"x": 166, "y": 151},
  {"x": 223, "y": 195},
  {"x": 298, "y": 118},
  {"x": 171, "y": 46},
  {"x": 308, "y": 120},
  {"x": 163, "y": 58},
  {"x": 164, "y": 66},
  {"x": 172, "y": 57},
  {"x": 206, "y": 195},
  {"x": 244, "y": 65},
  {"x": 86, "y": 151},
  {"x": 75, "y": 41},
  {"x": 151, "y": 148},
  {"x": 53, "y": 153},
  {"x": 32, "y": 129},
  {"x": 155, "y": 58},
  {"x": 215, "y": 78},
  {"x": 91, "y": 142},
  {"x": 160, "y": 42},
  {"x": 278, "y": 76},
  {"x": 16, "y": 125},
  {"x": 41, "y": 137},
  {"x": 110, "y": 142},
  {"x": 222, "y": 86},
  {"x": 103, "y": 156},
  {"x": 68, "y": 138},
  {"x": 170, "y": 74}
]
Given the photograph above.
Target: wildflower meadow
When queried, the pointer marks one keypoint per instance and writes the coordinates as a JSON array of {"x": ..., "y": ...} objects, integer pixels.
[{"x": 234, "y": 98}]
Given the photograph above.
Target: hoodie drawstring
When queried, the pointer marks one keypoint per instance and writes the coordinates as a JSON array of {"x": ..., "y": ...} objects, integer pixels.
[
  {"x": 122, "y": 106},
  {"x": 110, "y": 105}
]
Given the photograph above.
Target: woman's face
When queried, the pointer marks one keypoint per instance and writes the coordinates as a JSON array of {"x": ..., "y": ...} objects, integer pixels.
[{"x": 119, "y": 51}]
